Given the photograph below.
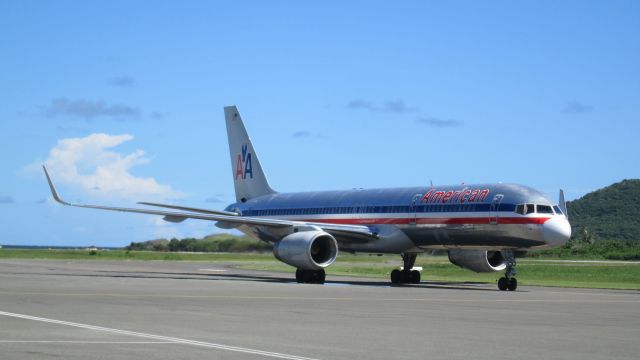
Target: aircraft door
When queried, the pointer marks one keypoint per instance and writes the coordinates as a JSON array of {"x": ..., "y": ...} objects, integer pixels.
[
  {"x": 415, "y": 206},
  {"x": 493, "y": 210}
]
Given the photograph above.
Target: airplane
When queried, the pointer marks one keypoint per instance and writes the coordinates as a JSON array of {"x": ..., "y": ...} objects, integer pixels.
[{"x": 482, "y": 227}]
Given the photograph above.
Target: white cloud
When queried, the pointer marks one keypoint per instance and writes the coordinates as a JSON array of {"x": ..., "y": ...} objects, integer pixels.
[
  {"x": 574, "y": 107},
  {"x": 90, "y": 163},
  {"x": 389, "y": 106},
  {"x": 89, "y": 109},
  {"x": 436, "y": 122}
]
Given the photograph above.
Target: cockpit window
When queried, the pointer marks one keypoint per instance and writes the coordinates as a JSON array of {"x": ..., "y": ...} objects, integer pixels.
[
  {"x": 557, "y": 209},
  {"x": 520, "y": 209},
  {"x": 530, "y": 209},
  {"x": 544, "y": 209}
]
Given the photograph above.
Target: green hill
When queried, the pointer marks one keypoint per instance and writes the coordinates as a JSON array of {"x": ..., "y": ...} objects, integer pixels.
[{"x": 610, "y": 213}]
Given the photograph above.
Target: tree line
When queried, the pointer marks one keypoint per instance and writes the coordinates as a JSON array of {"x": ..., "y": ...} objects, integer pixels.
[{"x": 212, "y": 243}]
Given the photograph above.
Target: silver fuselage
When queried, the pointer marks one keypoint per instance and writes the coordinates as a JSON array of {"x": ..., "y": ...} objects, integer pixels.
[{"x": 479, "y": 216}]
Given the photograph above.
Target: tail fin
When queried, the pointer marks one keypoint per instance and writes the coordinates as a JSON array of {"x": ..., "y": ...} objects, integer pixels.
[
  {"x": 563, "y": 204},
  {"x": 248, "y": 177}
]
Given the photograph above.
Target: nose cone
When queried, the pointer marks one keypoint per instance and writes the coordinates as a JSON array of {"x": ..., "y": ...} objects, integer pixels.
[{"x": 556, "y": 231}]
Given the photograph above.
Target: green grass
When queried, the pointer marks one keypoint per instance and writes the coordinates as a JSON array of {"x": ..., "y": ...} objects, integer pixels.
[
  {"x": 530, "y": 272},
  {"x": 435, "y": 268},
  {"x": 127, "y": 255}
]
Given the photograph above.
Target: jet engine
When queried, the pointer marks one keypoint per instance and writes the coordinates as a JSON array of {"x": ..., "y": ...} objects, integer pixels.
[
  {"x": 307, "y": 250},
  {"x": 478, "y": 260}
]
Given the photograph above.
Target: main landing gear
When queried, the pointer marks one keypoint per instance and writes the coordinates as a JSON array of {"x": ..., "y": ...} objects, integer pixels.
[
  {"x": 509, "y": 282},
  {"x": 310, "y": 276},
  {"x": 406, "y": 275}
]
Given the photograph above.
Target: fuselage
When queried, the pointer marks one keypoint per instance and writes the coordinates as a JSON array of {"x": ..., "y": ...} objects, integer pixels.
[{"x": 478, "y": 216}]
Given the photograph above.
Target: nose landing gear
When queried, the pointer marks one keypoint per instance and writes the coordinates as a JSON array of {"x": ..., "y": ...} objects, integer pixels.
[
  {"x": 509, "y": 282},
  {"x": 406, "y": 275}
]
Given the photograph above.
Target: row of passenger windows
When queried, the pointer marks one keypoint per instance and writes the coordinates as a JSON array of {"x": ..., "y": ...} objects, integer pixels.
[
  {"x": 524, "y": 209},
  {"x": 380, "y": 209}
]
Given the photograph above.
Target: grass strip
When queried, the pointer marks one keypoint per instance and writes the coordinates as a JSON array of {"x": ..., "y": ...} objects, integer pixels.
[{"x": 615, "y": 275}]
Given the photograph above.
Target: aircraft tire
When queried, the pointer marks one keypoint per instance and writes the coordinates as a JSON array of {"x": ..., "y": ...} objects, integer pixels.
[
  {"x": 396, "y": 276},
  {"x": 503, "y": 283},
  {"x": 513, "y": 284},
  {"x": 415, "y": 277},
  {"x": 310, "y": 276}
]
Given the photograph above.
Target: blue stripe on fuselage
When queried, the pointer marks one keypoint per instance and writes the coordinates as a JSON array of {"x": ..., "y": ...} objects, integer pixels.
[{"x": 379, "y": 210}]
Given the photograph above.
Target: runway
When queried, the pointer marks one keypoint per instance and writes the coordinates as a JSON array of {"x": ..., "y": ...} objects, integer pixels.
[{"x": 192, "y": 310}]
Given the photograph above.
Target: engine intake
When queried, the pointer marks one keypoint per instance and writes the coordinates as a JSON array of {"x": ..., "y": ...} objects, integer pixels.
[
  {"x": 308, "y": 250},
  {"x": 478, "y": 260}
]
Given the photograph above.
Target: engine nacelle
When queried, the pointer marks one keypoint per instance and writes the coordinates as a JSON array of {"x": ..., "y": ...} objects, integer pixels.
[
  {"x": 478, "y": 260},
  {"x": 307, "y": 250}
]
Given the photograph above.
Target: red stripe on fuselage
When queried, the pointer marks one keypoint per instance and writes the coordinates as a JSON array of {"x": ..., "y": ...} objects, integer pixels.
[{"x": 434, "y": 221}]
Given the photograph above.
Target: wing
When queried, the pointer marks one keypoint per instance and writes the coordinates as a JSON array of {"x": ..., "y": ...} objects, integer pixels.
[
  {"x": 191, "y": 209},
  {"x": 357, "y": 231}
]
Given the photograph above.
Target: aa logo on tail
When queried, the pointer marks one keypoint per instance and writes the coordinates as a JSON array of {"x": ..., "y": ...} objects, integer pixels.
[{"x": 243, "y": 164}]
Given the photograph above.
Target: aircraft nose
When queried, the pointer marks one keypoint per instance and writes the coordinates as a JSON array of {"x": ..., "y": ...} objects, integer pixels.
[{"x": 556, "y": 231}]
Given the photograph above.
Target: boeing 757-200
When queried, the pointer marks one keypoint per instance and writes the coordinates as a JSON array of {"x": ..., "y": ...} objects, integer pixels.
[{"x": 481, "y": 226}]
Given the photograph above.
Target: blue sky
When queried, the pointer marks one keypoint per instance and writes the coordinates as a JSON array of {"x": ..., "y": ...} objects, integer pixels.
[{"x": 124, "y": 101}]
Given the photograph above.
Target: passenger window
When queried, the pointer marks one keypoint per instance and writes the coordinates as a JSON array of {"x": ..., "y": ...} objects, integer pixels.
[
  {"x": 520, "y": 209},
  {"x": 557, "y": 209},
  {"x": 531, "y": 208},
  {"x": 544, "y": 209}
]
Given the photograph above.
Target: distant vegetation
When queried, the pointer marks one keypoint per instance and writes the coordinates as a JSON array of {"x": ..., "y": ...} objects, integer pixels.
[
  {"x": 611, "y": 213},
  {"x": 605, "y": 224},
  {"x": 211, "y": 243},
  {"x": 604, "y": 249}
]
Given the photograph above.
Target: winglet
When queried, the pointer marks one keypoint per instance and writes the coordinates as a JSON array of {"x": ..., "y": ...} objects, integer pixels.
[
  {"x": 563, "y": 204},
  {"x": 54, "y": 192}
]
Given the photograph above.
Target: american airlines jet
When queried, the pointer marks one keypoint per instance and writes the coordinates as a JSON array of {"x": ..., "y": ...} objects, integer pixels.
[{"x": 481, "y": 226}]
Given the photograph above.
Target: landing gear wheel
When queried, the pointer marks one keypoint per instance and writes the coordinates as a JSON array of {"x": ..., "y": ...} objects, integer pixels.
[
  {"x": 503, "y": 283},
  {"x": 406, "y": 275},
  {"x": 396, "y": 276},
  {"x": 414, "y": 277},
  {"x": 310, "y": 276},
  {"x": 508, "y": 281}
]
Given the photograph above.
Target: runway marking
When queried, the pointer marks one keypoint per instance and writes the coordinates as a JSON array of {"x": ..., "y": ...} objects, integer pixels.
[
  {"x": 159, "y": 337},
  {"x": 81, "y": 342},
  {"x": 636, "y": 299}
]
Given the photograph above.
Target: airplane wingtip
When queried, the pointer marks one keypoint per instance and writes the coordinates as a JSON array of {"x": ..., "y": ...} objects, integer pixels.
[{"x": 52, "y": 187}]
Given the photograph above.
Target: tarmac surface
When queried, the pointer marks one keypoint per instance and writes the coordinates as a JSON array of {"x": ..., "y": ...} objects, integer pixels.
[{"x": 53, "y": 309}]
